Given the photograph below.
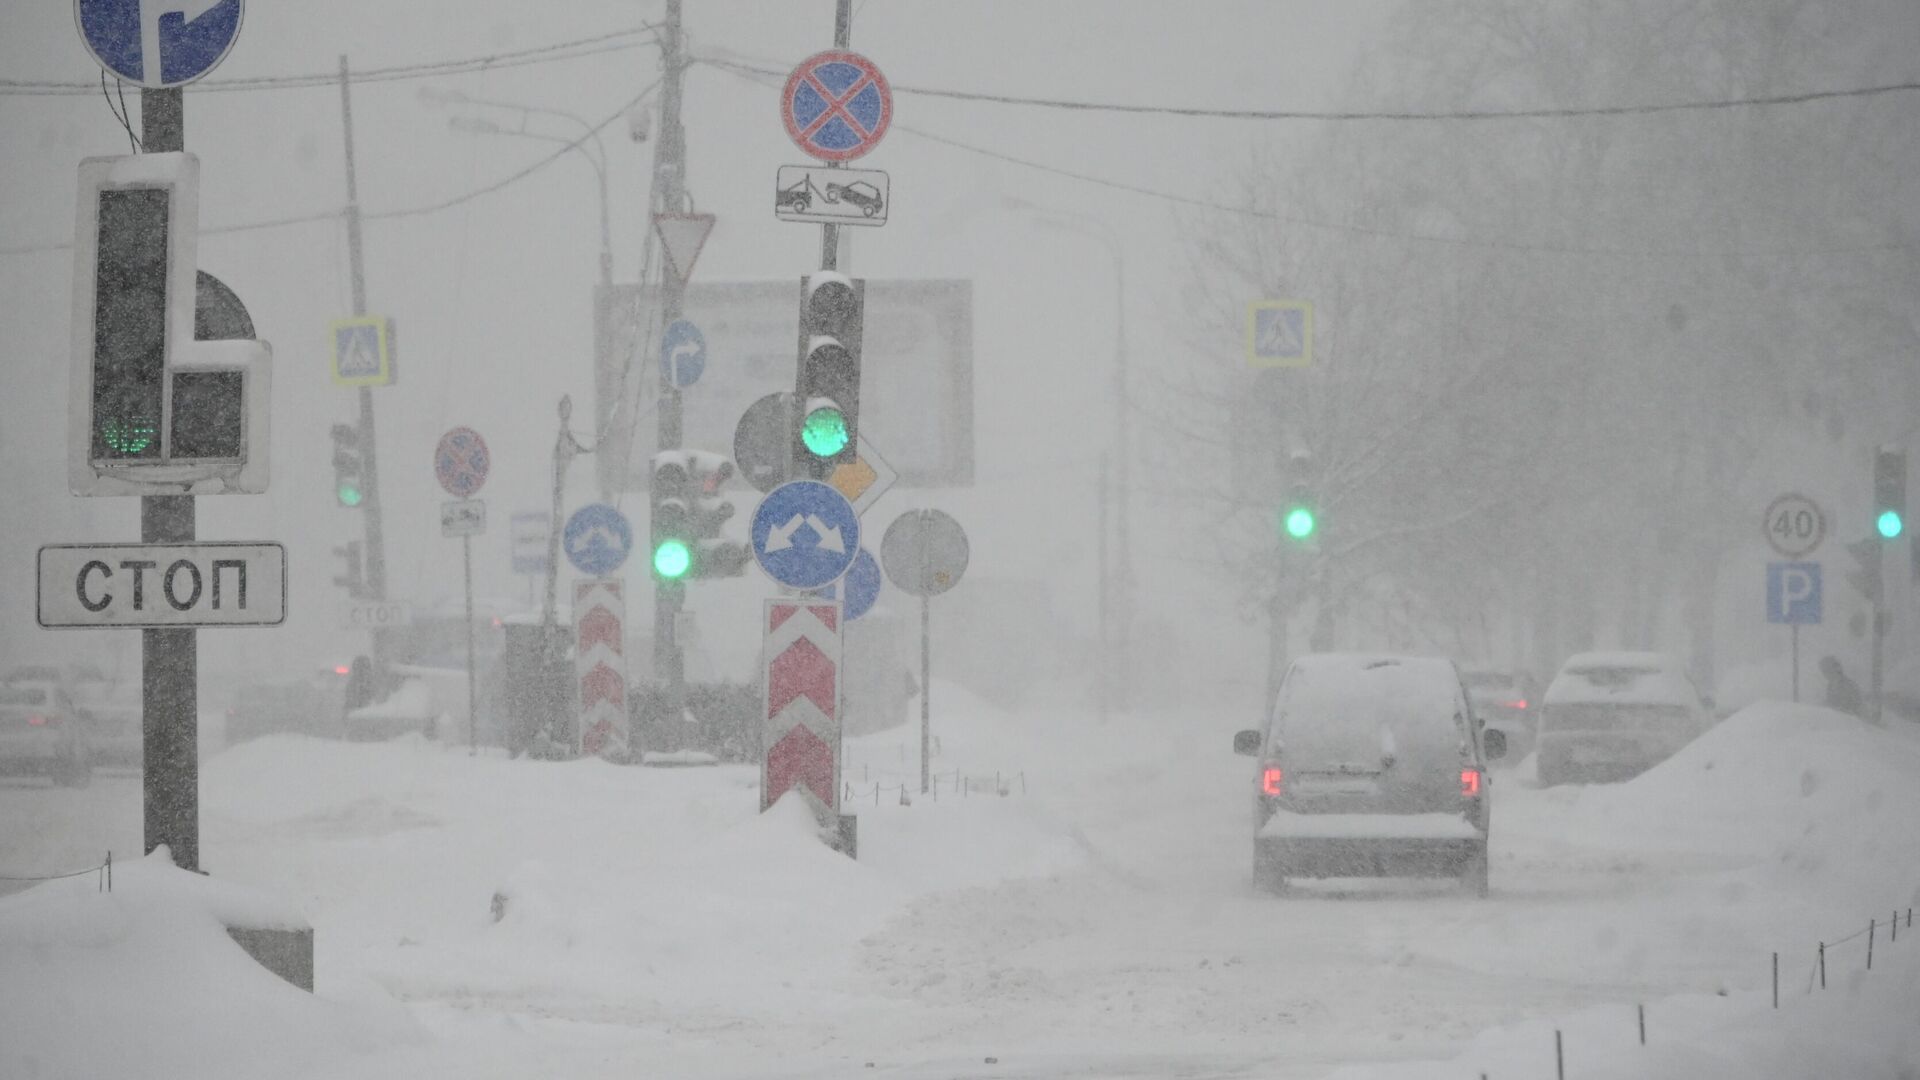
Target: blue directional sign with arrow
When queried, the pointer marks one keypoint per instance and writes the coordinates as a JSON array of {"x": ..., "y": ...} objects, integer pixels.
[
  {"x": 597, "y": 539},
  {"x": 805, "y": 534},
  {"x": 158, "y": 43},
  {"x": 683, "y": 353}
]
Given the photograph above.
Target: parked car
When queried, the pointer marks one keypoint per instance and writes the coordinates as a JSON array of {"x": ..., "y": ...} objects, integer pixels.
[
  {"x": 1507, "y": 702},
  {"x": 107, "y": 711},
  {"x": 1611, "y": 716},
  {"x": 40, "y": 734},
  {"x": 1370, "y": 766}
]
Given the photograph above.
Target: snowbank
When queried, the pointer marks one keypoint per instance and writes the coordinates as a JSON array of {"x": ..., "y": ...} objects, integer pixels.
[
  {"x": 1800, "y": 789},
  {"x": 1862, "y": 1027},
  {"x": 144, "y": 981}
]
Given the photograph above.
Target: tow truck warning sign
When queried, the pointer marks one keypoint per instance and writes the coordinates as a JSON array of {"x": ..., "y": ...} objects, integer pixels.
[{"x": 90, "y": 586}]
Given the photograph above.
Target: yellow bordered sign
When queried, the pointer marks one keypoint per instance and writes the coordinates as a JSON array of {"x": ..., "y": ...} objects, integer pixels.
[
  {"x": 363, "y": 351},
  {"x": 1280, "y": 333}
]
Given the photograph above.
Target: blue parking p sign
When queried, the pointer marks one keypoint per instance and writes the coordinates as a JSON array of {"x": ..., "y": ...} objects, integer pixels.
[{"x": 1793, "y": 593}]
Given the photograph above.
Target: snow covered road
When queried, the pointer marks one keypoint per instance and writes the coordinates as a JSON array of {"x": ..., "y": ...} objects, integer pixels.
[{"x": 1102, "y": 924}]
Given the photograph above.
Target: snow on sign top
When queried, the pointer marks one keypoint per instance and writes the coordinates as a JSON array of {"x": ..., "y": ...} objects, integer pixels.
[
  {"x": 158, "y": 43},
  {"x": 836, "y": 105}
]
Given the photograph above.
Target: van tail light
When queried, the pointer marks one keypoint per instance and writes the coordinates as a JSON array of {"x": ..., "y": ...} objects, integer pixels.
[
  {"x": 1270, "y": 778},
  {"x": 36, "y": 720},
  {"x": 1520, "y": 704},
  {"x": 1469, "y": 783}
]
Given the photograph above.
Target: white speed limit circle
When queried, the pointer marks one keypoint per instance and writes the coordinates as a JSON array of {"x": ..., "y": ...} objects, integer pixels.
[{"x": 1794, "y": 525}]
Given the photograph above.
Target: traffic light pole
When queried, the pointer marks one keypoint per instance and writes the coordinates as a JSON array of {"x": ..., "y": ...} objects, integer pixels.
[
  {"x": 376, "y": 576},
  {"x": 670, "y": 196},
  {"x": 169, "y": 659}
]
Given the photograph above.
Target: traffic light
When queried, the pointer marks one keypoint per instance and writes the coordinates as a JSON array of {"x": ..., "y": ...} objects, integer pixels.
[
  {"x": 1300, "y": 513},
  {"x": 1865, "y": 577},
  {"x": 130, "y": 323},
  {"x": 349, "y": 466},
  {"x": 827, "y": 383},
  {"x": 158, "y": 410},
  {"x": 354, "y": 579},
  {"x": 687, "y": 513},
  {"x": 1890, "y": 492}
]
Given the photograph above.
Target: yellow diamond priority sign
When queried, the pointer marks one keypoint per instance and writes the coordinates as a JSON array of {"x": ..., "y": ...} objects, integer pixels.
[{"x": 864, "y": 479}]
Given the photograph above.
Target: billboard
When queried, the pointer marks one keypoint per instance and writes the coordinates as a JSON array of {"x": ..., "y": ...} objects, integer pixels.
[{"x": 916, "y": 389}]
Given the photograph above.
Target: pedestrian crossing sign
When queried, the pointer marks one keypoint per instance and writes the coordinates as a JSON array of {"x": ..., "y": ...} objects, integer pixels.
[
  {"x": 363, "y": 351},
  {"x": 1280, "y": 333}
]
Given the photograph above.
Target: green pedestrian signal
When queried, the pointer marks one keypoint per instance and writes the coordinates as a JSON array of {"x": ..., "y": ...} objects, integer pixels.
[
  {"x": 1889, "y": 524},
  {"x": 824, "y": 432},
  {"x": 672, "y": 560},
  {"x": 1299, "y": 523}
]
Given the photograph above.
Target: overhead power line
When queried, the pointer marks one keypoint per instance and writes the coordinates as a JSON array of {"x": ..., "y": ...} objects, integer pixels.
[
  {"x": 755, "y": 75},
  {"x": 1351, "y": 115},
  {"x": 576, "y": 49},
  {"x": 405, "y": 212}
]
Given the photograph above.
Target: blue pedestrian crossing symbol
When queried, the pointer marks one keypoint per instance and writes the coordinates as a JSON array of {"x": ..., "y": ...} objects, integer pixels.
[
  {"x": 1280, "y": 333},
  {"x": 358, "y": 348},
  {"x": 158, "y": 43}
]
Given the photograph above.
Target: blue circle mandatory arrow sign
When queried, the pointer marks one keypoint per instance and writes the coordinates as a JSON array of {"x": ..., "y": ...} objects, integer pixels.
[
  {"x": 805, "y": 534},
  {"x": 683, "y": 353},
  {"x": 597, "y": 539}
]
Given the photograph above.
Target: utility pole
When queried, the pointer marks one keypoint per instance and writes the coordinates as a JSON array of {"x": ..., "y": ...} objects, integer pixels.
[
  {"x": 670, "y": 197},
  {"x": 169, "y": 658},
  {"x": 376, "y": 554}
]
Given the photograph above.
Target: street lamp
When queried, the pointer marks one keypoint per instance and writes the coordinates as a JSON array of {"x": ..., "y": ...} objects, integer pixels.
[
  {"x": 1122, "y": 575},
  {"x": 476, "y": 125}
]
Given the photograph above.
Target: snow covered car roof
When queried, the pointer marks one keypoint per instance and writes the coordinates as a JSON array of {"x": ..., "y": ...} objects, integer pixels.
[{"x": 1622, "y": 678}]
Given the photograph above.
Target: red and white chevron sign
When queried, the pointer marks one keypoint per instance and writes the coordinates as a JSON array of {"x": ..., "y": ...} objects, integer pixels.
[
  {"x": 801, "y": 650},
  {"x": 600, "y": 660}
]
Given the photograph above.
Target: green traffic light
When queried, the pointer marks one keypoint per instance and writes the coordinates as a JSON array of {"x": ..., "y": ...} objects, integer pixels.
[
  {"x": 671, "y": 560},
  {"x": 825, "y": 431},
  {"x": 1299, "y": 523},
  {"x": 128, "y": 435},
  {"x": 349, "y": 495},
  {"x": 1890, "y": 524}
]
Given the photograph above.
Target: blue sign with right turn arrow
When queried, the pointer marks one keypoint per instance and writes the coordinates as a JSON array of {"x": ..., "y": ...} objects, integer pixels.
[{"x": 805, "y": 534}]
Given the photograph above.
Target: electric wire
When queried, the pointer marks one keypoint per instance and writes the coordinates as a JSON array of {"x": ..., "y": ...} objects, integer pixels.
[
  {"x": 756, "y": 77},
  {"x": 384, "y": 215},
  {"x": 575, "y": 49},
  {"x": 1547, "y": 113}
]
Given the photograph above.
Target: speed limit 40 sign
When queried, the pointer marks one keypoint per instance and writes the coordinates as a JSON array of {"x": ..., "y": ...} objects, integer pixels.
[{"x": 1794, "y": 525}]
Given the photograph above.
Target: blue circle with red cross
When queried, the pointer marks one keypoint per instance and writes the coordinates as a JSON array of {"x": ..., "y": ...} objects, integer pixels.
[{"x": 837, "y": 105}]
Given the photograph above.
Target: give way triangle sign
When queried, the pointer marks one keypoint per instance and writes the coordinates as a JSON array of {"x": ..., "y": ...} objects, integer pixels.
[{"x": 681, "y": 237}]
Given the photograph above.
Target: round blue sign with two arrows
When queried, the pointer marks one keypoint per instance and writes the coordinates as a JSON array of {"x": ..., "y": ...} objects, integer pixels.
[
  {"x": 804, "y": 534},
  {"x": 597, "y": 539}
]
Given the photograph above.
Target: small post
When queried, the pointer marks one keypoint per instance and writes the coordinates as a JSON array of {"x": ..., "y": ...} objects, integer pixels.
[
  {"x": 473, "y": 699},
  {"x": 876, "y": 794},
  {"x": 1893, "y": 927},
  {"x": 1870, "y": 925},
  {"x": 1776, "y": 979},
  {"x": 1559, "y": 1059},
  {"x": 1795, "y": 629},
  {"x": 1643, "y": 1023},
  {"x": 1823, "y": 965}
]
